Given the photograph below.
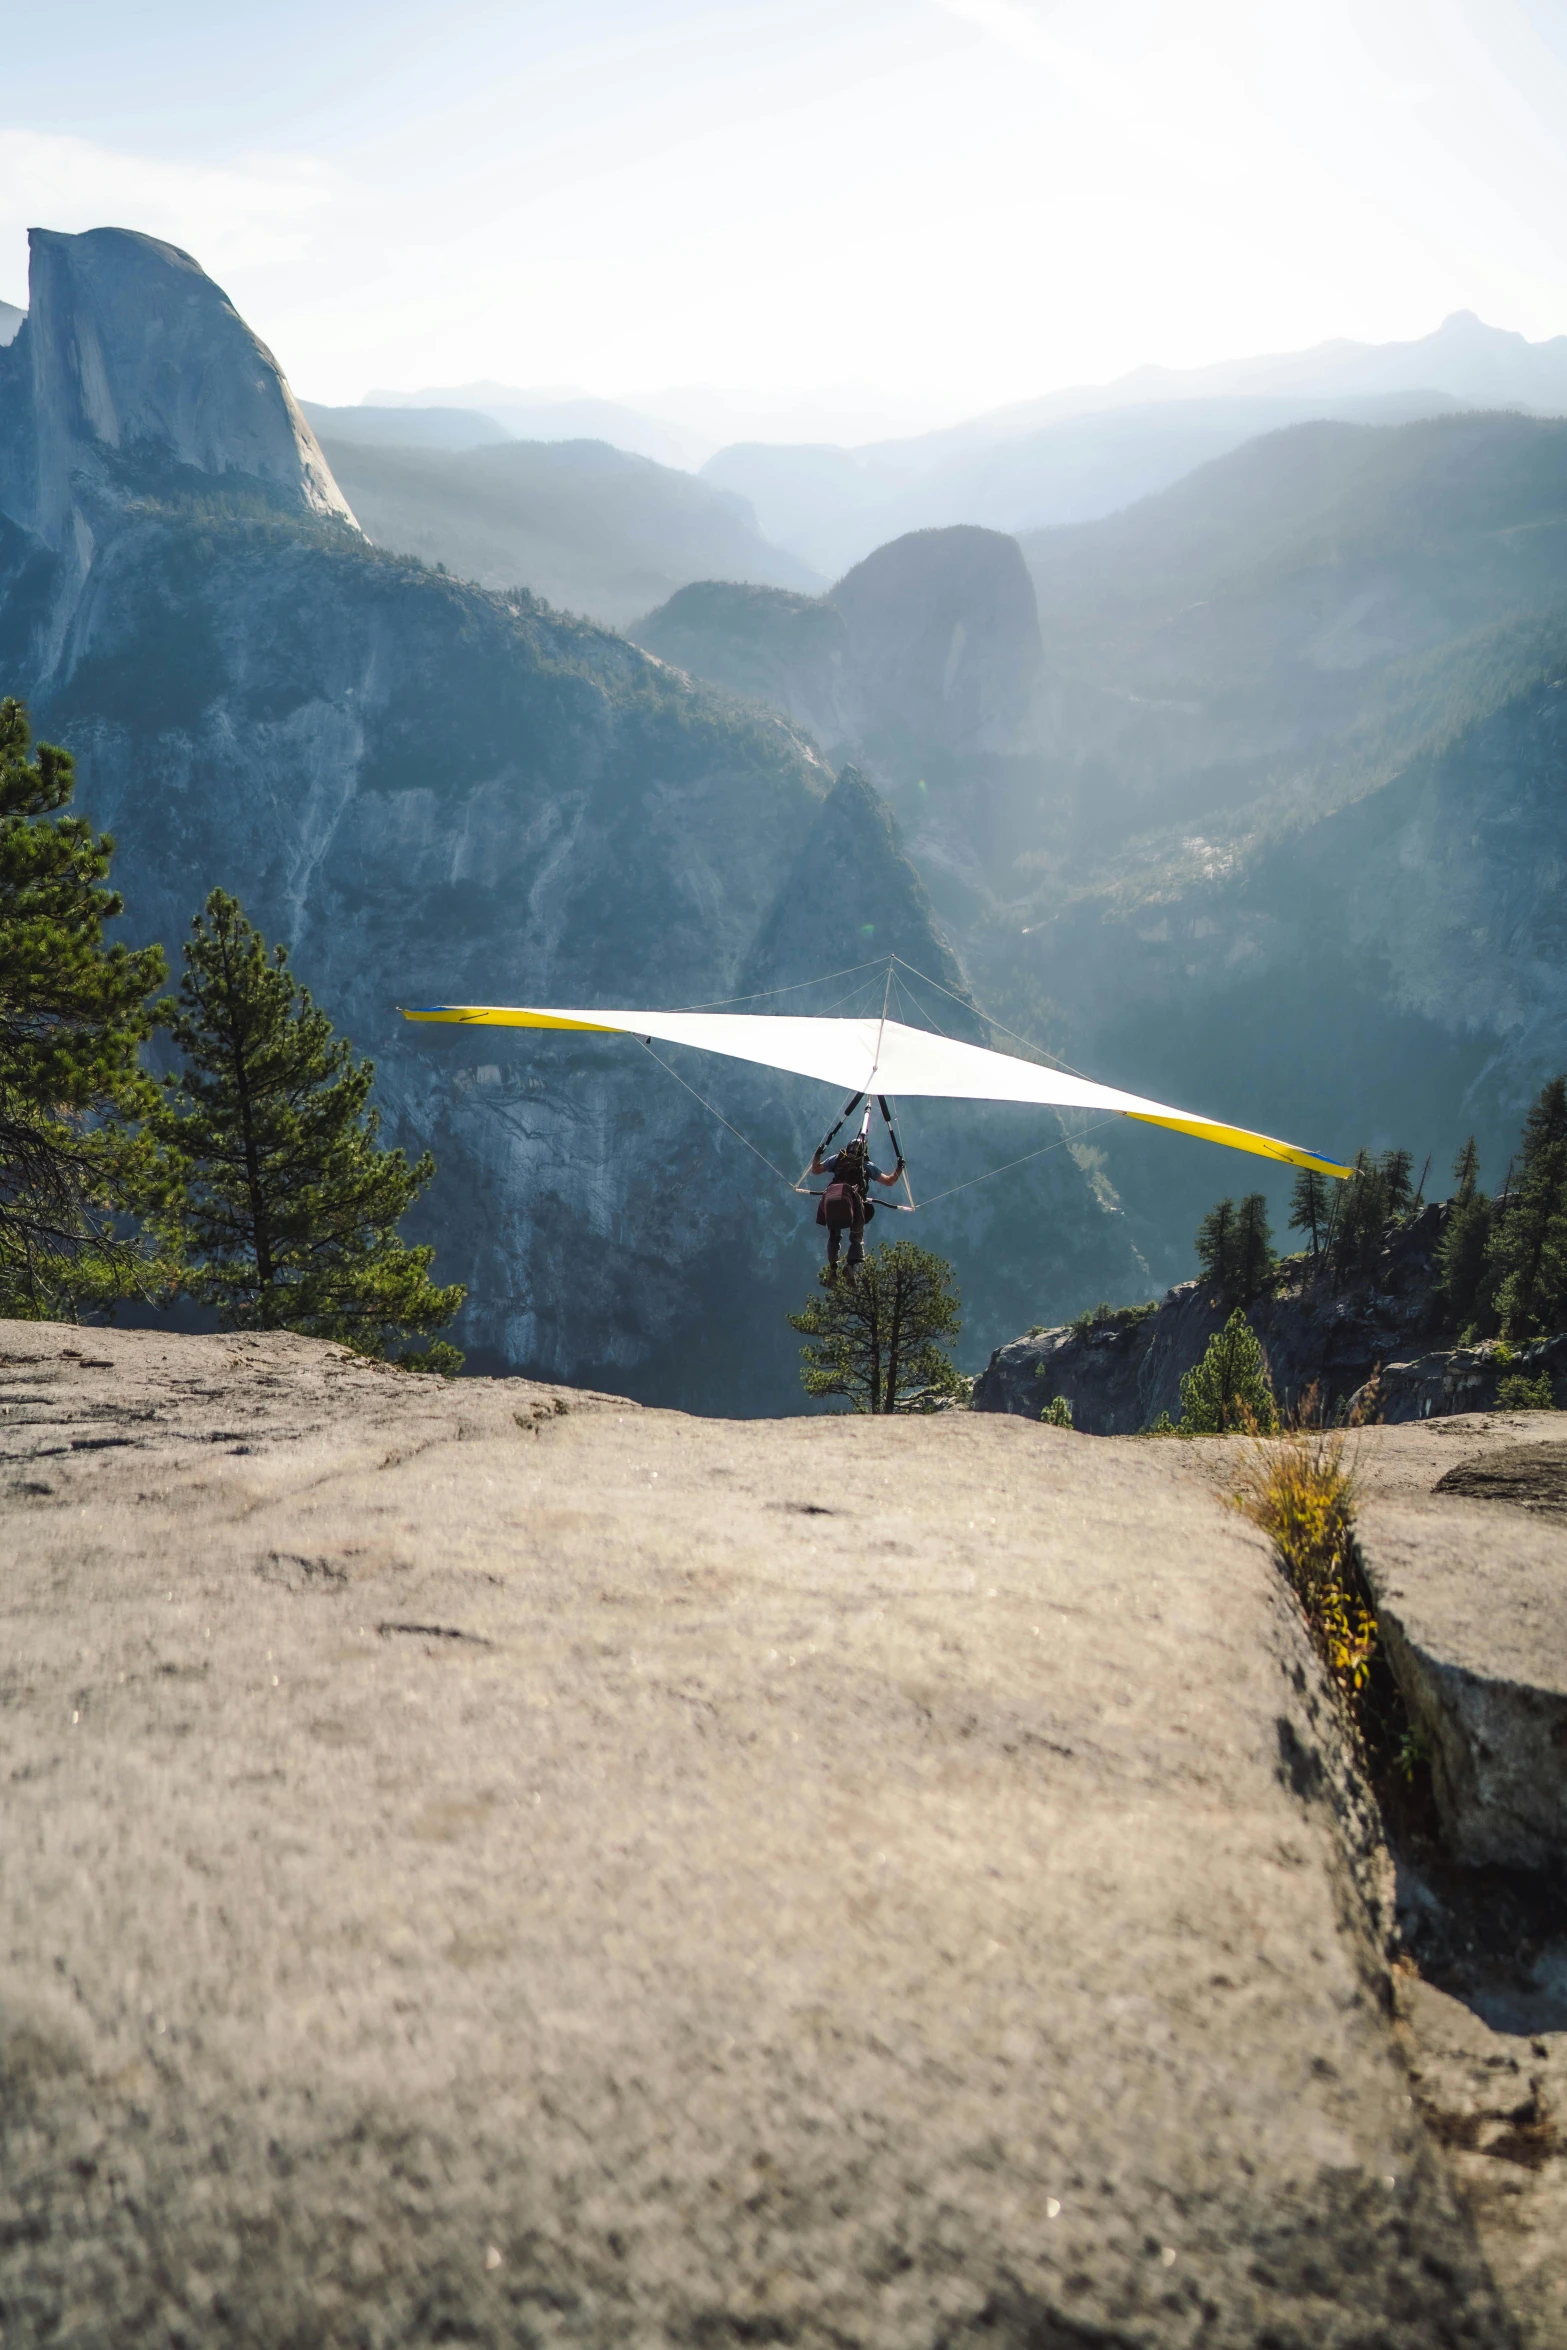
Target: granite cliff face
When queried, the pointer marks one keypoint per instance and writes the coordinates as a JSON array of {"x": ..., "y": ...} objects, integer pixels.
[
  {"x": 930, "y": 646},
  {"x": 924, "y": 662},
  {"x": 132, "y": 360},
  {"x": 433, "y": 792}
]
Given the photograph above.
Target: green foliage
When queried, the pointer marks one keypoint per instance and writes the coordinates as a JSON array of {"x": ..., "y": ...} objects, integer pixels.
[
  {"x": 1057, "y": 1413},
  {"x": 1376, "y": 1195},
  {"x": 1528, "y": 1250},
  {"x": 1105, "y": 1316},
  {"x": 1397, "y": 1172},
  {"x": 1360, "y": 1227},
  {"x": 1162, "y": 1426},
  {"x": 1216, "y": 1246},
  {"x": 73, "y": 1015},
  {"x": 1229, "y": 1392},
  {"x": 272, "y": 1185},
  {"x": 1462, "y": 1264},
  {"x": 1519, "y": 1394},
  {"x": 1311, "y": 1206},
  {"x": 1301, "y": 1493},
  {"x": 1235, "y": 1249},
  {"x": 877, "y": 1339}
]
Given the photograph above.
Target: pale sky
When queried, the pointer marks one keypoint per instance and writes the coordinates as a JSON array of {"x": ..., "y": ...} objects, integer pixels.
[{"x": 964, "y": 202}]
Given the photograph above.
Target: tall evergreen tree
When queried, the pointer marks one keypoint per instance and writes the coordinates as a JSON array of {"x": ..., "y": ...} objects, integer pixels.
[
  {"x": 1463, "y": 1274},
  {"x": 1216, "y": 1247},
  {"x": 1397, "y": 1168},
  {"x": 1235, "y": 1248},
  {"x": 878, "y": 1339},
  {"x": 1362, "y": 1218},
  {"x": 1311, "y": 1205},
  {"x": 1255, "y": 1256},
  {"x": 1528, "y": 1252},
  {"x": 273, "y": 1183},
  {"x": 73, "y": 1015}
]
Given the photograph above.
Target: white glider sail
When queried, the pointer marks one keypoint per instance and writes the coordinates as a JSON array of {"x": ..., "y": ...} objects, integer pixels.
[{"x": 872, "y": 1056}]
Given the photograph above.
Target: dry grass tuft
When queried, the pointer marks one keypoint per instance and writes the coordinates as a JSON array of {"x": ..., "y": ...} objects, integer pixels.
[{"x": 1300, "y": 1489}]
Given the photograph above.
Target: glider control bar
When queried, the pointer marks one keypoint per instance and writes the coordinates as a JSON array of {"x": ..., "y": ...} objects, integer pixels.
[
  {"x": 848, "y": 1111},
  {"x": 886, "y": 1115}
]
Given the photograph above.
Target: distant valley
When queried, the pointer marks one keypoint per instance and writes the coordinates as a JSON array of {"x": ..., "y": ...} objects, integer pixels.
[{"x": 588, "y": 527}]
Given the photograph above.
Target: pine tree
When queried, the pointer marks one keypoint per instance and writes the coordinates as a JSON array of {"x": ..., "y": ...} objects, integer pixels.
[
  {"x": 273, "y": 1184},
  {"x": 1255, "y": 1256},
  {"x": 1235, "y": 1249},
  {"x": 1528, "y": 1252},
  {"x": 1229, "y": 1392},
  {"x": 1216, "y": 1247},
  {"x": 877, "y": 1339},
  {"x": 1463, "y": 1275},
  {"x": 1311, "y": 1205},
  {"x": 1362, "y": 1218},
  {"x": 73, "y": 1016},
  {"x": 1397, "y": 1169}
]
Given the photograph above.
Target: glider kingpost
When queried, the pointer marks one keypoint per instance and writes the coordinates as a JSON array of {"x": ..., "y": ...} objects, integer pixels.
[{"x": 871, "y": 1056}]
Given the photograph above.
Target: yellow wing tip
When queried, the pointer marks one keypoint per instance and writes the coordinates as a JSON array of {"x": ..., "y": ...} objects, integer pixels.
[
  {"x": 1241, "y": 1138},
  {"x": 502, "y": 1016}
]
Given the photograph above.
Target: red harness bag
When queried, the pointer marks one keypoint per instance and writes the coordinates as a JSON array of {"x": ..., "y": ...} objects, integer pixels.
[{"x": 835, "y": 1208}]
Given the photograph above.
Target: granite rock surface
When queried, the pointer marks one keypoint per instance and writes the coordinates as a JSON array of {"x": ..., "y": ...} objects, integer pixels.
[{"x": 492, "y": 1864}]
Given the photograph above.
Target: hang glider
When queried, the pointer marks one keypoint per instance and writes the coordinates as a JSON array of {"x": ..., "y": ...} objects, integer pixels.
[{"x": 871, "y": 1056}]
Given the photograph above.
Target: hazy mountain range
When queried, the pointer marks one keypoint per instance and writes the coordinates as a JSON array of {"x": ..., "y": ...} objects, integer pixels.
[
  {"x": 827, "y": 500},
  {"x": 683, "y": 425}
]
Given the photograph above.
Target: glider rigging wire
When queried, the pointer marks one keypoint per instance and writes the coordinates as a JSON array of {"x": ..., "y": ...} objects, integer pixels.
[
  {"x": 712, "y": 1113},
  {"x": 1061, "y": 1143}
]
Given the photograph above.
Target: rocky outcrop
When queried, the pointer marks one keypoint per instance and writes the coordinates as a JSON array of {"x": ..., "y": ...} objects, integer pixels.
[
  {"x": 943, "y": 639},
  {"x": 1122, "y": 1369},
  {"x": 923, "y": 664},
  {"x": 1461, "y": 1379},
  {"x": 484, "y": 1864},
  {"x": 790, "y": 651},
  {"x": 928, "y": 649}
]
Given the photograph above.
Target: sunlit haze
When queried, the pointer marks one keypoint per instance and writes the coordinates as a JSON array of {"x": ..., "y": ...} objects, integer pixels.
[{"x": 926, "y": 207}]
